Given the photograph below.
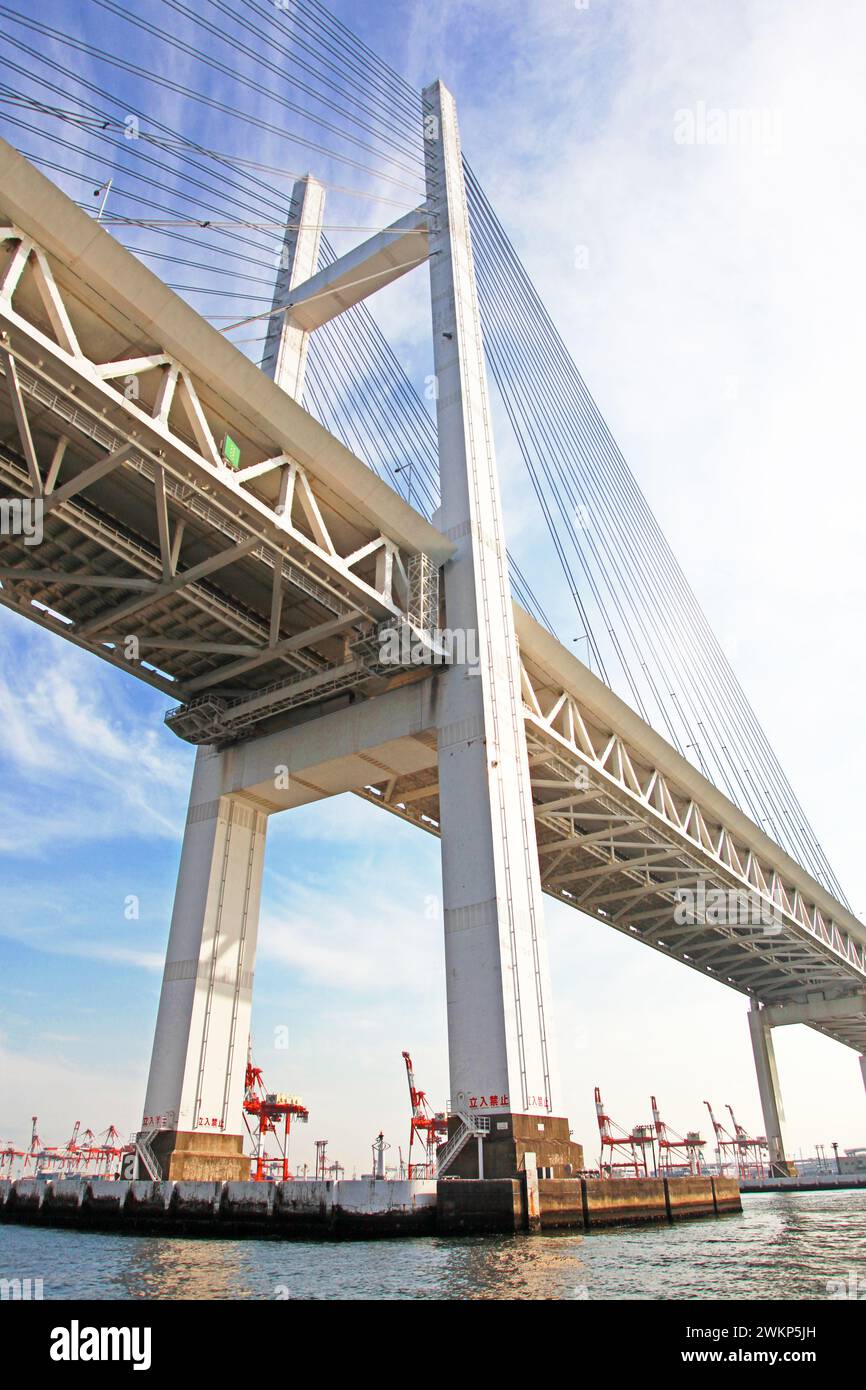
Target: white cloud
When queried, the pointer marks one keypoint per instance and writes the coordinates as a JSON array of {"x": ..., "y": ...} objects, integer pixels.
[
  {"x": 370, "y": 927},
  {"x": 63, "y": 1092},
  {"x": 95, "y": 763}
]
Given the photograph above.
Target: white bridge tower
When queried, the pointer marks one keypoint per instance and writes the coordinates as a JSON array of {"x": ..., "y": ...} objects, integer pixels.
[{"x": 502, "y": 1052}]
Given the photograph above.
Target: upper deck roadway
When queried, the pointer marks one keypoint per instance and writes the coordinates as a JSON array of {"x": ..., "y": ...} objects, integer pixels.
[{"x": 252, "y": 596}]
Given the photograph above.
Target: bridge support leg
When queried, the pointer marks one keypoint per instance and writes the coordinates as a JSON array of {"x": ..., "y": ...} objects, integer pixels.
[
  {"x": 863, "y": 1068},
  {"x": 500, "y": 1042},
  {"x": 770, "y": 1093},
  {"x": 193, "y": 1116},
  {"x": 285, "y": 355}
]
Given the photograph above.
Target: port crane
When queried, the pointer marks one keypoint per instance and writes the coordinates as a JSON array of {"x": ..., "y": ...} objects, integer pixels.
[
  {"x": 42, "y": 1156},
  {"x": 269, "y": 1112},
  {"x": 738, "y": 1150},
  {"x": 627, "y": 1148},
  {"x": 8, "y": 1157},
  {"x": 430, "y": 1127},
  {"x": 678, "y": 1154},
  {"x": 750, "y": 1151}
]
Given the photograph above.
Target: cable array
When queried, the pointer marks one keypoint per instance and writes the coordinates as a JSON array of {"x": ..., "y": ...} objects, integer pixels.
[
  {"x": 293, "y": 78},
  {"x": 642, "y": 620}
]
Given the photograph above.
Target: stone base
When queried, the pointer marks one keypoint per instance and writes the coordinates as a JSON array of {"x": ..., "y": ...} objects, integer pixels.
[
  {"x": 512, "y": 1136},
  {"x": 194, "y": 1156}
]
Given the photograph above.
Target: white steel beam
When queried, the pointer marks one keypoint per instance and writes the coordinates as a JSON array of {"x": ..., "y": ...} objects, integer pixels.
[
  {"x": 112, "y": 616},
  {"x": 19, "y": 410},
  {"x": 360, "y": 273},
  {"x": 270, "y": 653},
  {"x": 87, "y": 477}
]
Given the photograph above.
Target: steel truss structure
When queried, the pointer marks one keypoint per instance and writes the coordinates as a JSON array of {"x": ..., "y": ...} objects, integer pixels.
[
  {"x": 241, "y": 591},
  {"x": 631, "y": 833}
]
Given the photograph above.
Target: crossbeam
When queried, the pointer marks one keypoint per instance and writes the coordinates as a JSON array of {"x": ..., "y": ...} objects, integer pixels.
[{"x": 360, "y": 272}]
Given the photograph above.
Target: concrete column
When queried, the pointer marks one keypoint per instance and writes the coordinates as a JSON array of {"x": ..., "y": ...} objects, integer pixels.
[
  {"x": 196, "y": 1081},
  {"x": 285, "y": 357},
  {"x": 863, "y": 1068},
  {"x": 501, "y": 1049},
  {"x": 768, "y": 1087}
]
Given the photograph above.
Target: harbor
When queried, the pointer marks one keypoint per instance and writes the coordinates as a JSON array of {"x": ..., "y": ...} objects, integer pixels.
[{"x": 429, "y": 868}]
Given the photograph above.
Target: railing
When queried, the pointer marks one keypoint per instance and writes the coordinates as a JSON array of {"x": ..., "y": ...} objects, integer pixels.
[
  {"x": 146, "y": 1157},
  {"x": 470, "y": 1128}
]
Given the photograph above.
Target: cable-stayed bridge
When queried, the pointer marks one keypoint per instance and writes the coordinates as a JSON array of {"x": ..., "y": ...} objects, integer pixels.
[{"x": 217, "y": 527}]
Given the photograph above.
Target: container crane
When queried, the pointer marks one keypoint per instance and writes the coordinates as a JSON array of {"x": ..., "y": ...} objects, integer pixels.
[
  {"x": 750, "y": 1151},
  {"x": 737, "y": 1151},
  {"x": 431, "y": 1128},
  {"x": 627, "y": 1148},
  {"x": 725, "y": 1143},
  {"x": 8, "y": 1156},
  {"x": 71, "y": 1155},
  {"x": 109, "y": 1151},
  {"x": 41, "y": 1155},
  {"x": 672, "y": 1144},
  {"x": 264, "y": 1113}
]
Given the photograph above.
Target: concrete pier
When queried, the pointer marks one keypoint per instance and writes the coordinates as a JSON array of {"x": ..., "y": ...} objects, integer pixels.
[
  {"x": 363, "y": 1208},
  {"x": 589, "y": 1204}
]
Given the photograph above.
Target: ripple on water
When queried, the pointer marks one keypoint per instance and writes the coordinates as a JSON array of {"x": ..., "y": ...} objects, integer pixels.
[{"x": 781, "y": 1247}]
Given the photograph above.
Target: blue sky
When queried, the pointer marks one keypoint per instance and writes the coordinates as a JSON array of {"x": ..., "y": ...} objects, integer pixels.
[{"x": 715, "y": 324}]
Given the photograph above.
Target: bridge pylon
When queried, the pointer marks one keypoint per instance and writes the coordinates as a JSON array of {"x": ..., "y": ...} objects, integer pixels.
[
  {"x": 193, "y": 1105},
  {"x": 500, "y": 1034},
  {"x": 848, "y": 1009},
  {"x": 502, "y": 1058}
]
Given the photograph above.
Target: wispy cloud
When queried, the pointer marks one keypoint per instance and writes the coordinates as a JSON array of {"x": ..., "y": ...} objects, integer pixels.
[
  {"x": 86, "y": 744},
  {"x": 369, "y": 926}
]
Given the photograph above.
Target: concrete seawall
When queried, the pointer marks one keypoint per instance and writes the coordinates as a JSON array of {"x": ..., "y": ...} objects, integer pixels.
[
  {"x": 359, "y": 1209},
  {"x": 281, "y": 1210},
  {"x": 473, "y": 1205}
]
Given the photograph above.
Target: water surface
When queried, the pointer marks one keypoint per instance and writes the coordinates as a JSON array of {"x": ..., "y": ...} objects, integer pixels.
[{"x": 781, "y": 1247}]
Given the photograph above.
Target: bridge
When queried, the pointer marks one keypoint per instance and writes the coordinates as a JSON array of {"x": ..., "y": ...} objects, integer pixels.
[{"x": 174, "y": 509}]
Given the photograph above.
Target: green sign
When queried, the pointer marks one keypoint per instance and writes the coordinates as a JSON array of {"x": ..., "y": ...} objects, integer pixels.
[{"x": 231, "y": 452}]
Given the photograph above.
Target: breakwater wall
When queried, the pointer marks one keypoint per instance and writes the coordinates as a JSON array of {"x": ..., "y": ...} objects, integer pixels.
[
  {"x": 823, "y": 1182},
  {"x": 360, "y": 1209}
]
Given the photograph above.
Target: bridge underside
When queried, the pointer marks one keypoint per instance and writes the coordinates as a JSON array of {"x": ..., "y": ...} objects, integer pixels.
[
  {"x": 177, "y": 536},
  {"x": 623, "y": 839},
  {"x": 624, "y": 826}
]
